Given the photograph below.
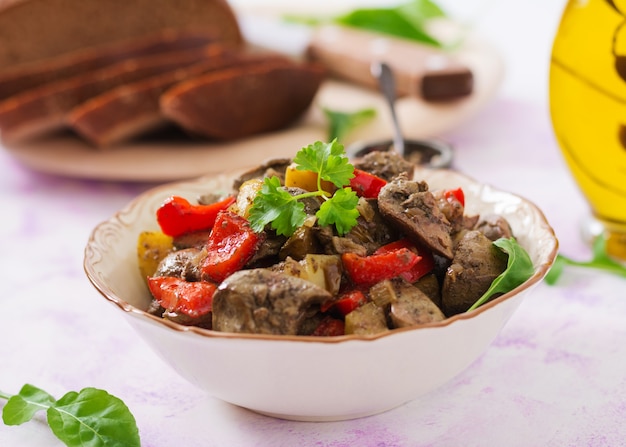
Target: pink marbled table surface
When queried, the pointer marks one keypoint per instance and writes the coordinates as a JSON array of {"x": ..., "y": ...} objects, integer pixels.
[{"x": 556, "y": 375}]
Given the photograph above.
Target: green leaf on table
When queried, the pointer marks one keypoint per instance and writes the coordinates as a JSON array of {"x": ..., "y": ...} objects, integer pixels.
[
  {"x": 600, "y": 260},
  {"x": 519, "y": 269},
  {"x": 341, "y": 123},
  {"x": 89, "y": 418},
  {"x": 93, "y": 418},
  {"x": 22, "y": 407}
]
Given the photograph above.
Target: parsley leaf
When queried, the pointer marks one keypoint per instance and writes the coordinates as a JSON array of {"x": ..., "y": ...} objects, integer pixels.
[
  {"x": 341, "y": 211},
  {"x": 328, "y": 160},
  {"x": 312, "y": 157},
  {"x": 285, "y": 213},
  {"x": 273, "y": 204}
]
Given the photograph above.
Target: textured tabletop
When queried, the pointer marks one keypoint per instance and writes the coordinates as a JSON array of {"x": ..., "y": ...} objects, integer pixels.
[{"x": 555, "y": 376}]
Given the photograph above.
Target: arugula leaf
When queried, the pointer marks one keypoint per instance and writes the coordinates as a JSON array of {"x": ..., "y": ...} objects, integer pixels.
[
  {"x": 285, "y": 213},
  {"x": 600, "y": 260},
  {"x": 406, "y": 21},
  {"x": 341, "y": 123},
  {"x": 519, "y": 269},
  {"x": 388, "y": 21},
  {"x": 89, "y": 418},
  {"x": 419, "y": 11},
  {"x": 23, "y": 406}
]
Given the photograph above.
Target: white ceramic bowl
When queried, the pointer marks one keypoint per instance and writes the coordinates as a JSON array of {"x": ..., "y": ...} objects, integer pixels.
[{"x": 314, "y": 378}]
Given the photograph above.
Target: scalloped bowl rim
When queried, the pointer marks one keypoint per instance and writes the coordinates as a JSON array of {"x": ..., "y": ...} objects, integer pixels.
[{"x": 289, "y": 400}]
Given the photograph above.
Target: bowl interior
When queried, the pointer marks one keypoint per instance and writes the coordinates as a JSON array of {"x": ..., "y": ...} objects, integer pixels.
[{"x": 111, "y": 263}]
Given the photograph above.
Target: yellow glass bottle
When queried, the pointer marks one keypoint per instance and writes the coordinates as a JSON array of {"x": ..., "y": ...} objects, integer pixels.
[{"x": 588, "y": 108}]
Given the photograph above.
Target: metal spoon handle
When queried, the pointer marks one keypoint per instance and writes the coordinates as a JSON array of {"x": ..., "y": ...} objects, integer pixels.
[{"x": 387, "y": 85}]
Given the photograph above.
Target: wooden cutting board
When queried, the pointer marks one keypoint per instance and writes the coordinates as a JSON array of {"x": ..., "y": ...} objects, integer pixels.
[{"x": 167, "y": 158}]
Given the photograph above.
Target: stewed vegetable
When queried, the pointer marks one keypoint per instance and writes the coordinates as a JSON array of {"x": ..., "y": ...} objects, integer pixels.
[{"x": 321, "y": 246}]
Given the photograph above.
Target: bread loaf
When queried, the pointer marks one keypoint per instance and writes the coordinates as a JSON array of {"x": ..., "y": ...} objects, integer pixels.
[
  {"x": 131, "y": 110},
  {"x": 25, "y": 76},
  {"x": 33, "y": 30},
  {"x": 44, "y": 108},
  {"x": 243, "y": 101},
  {"x": 112, "y": 70}
]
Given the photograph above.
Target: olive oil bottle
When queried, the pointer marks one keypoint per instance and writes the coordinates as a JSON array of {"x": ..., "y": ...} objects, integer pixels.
[{"x": 588, "y": 108}]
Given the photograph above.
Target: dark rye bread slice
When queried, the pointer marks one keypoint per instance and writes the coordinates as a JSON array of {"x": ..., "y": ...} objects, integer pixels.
[
  {"x": 244, "y": 101},
  {"x": 131, "y": 110},
  {"x": 32, "y": 30},
  {"x": 16, "y": 80},
  {"x": 45, "y": 108}
]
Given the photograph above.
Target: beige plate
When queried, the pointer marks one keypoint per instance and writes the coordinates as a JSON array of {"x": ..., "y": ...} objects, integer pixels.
[{"x": 167, "y": 159}]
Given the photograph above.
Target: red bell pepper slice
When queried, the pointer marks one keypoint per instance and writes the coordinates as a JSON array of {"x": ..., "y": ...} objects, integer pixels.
[
  {"x": 366, "y": 185},
  {"x": 421, "y": 268},
  {"x": 176, "y": 216},
  {"x": 345, "y": 303},
  {"x": 455, "y": 194},
  {"x": 232, "y": 243},
  {"x": 330, "y": 327},
  {"x": 369, "y": 270},
  {"x": 177, "y": 295}
]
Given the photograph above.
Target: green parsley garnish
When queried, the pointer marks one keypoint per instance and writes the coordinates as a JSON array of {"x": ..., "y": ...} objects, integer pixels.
[{"x": 285, "y": 212}]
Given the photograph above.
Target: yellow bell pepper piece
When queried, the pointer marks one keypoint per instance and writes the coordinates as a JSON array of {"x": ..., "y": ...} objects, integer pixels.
[
  {"x": 306, "y": 180},
  {"x": 152, "y": 247}
]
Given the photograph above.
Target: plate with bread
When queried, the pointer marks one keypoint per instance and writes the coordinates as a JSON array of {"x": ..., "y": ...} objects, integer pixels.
[{"x": 186, "y": 89}]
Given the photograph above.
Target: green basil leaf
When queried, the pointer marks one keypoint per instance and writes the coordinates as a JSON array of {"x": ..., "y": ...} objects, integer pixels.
[
  {"x": 93, "y": 418},
  {"x": 519, "y": 269},
  {"x": 22, "y": 407}
]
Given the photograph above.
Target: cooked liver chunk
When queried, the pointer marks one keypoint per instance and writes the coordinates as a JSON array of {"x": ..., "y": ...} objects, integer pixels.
[
  {"x": 262, "y": 301},
  {"x": 243, "y": 101},
  {"x": 414, "y": 210},
  {"x": 477, "y": 262}
]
